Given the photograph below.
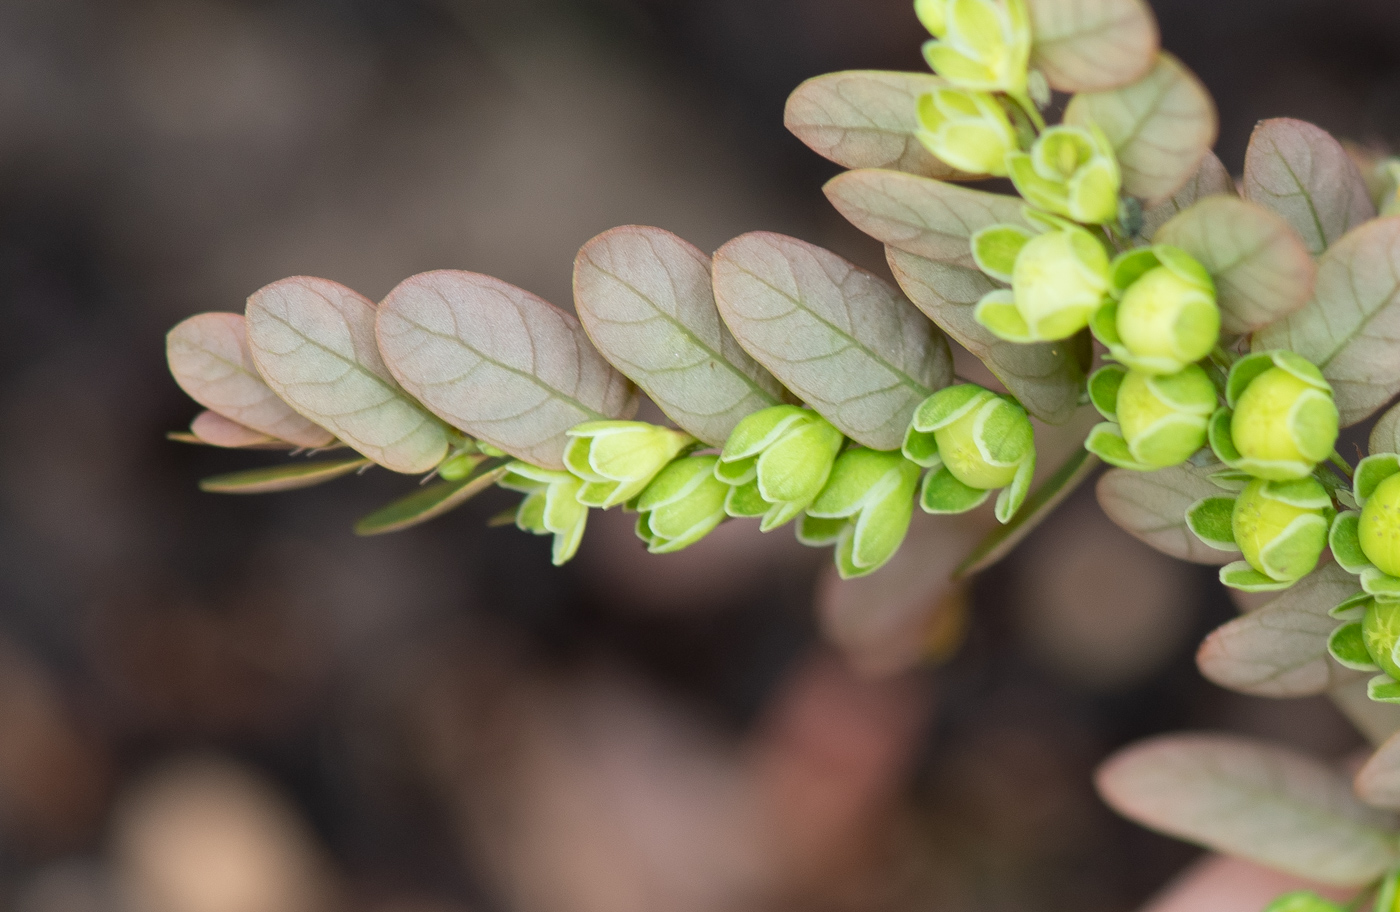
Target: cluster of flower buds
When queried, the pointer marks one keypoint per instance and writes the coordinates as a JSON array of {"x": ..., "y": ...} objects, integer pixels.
[
  {"x": 983, "y": 45},
  {"x": 551, "y": 506},
  {"x": 1366, "y": 542},
  {"x": 777, "y": 461},
  {"x": 616, "y": 460},
  {"x": 681, "y": 505},
  {"x": 864, "y": 509}
]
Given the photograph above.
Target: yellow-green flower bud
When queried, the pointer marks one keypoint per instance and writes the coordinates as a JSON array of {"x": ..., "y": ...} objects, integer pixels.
[
  {"x": 617, "y": 459},
  {"x": 1059, "y": 280},
  {"x": 778, "y": 460},
  {"x": 460, "y": 465},
  {"x": 681, "y": 505},
  {"x": 1380, "y": 630},
  {"x": 1379, "y": 527},
  {"x": 1165, "y": 316},
  {"x": 1281, "y": 527},
  {"x": 1070, "y": 171},
  {"x": 979, "y": 44},
  {"x": 550, "y": 507},
  {"x": 873, "y": 491},
  {"x": 1302, "y": 901},
  {"x": 1284, "y": 420},
  {"x": 968, "y": 130},
  {"x": 1164, "y": 418}
]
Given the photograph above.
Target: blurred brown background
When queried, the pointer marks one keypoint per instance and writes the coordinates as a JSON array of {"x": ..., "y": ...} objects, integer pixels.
[{"x": 222, "y": 704}]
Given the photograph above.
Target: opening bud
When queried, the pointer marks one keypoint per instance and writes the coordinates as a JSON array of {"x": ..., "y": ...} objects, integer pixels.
[
  {"x": 681, "y": 505},
  {"x": 979, "y": 44},
  {"x": 617, "y": 459},
  {"x": 968, "y": 130},
  {"x": 1058, "y": 281},
  {"x": 1070, "y": 171},
  {"x": 1284, "y": 420},
  {"x": 974, "y": 441},
  {"x": 550, "y": 507},
  {"x": 1164, "y": 314},
  {"x": 1161, "y": 420},
  {"x": 778, "y": 460},
  {"x": 1380, "y": 630},
  {"x": 1281, "y": 527},
  {"x": 865, "y": 509}
]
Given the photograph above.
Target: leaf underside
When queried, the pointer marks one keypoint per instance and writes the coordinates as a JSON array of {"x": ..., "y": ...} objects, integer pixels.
[
  {"x": 1151, "y": 506},
  {"x": 1212, "y": 178},
  {"x": 1092, "y": 45}
]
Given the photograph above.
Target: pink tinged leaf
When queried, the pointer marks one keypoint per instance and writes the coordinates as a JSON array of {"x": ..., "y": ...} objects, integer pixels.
[
  {"x": 1151, "y": 506},
  {"x": 216, "y": 430},
  {"x": 1211, "y": 179},
  {"x": 210, "y": 359},
  {"x": 1092, "y": 45},
  {"x": 498, "y": 363}
]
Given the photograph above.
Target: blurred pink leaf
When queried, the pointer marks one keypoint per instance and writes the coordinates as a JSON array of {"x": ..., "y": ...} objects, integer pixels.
[
  {"x": 216, "y": 430},
  {"x": 1092, "y": 45},
  {"x": 1152, "y": 507}
]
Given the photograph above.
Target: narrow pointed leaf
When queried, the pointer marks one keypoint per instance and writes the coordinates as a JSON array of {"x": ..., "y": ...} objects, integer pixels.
[
  {"x": 429, "y": 503},
  {"x": 1378, "y": 782},
  {"x": 1254, "y": 800},
  {"x": 1038, "y": 507},
  {"x": 1152, "y": 507},
  {"x": 1351, "y": 327},
  {"x": 1160, "y": 126},
  {"x": 845, "y": 342},
  {"x": 1092, "y": 45},
  {"x": 866, "y": 119},
  {"x": 287, "y": 477},
  {"x": 1212, "y": 178},
  {"x": 1385, "y": 436},
  {"x": 645, "y": 298},
  {"x": 210, "y": 359},
  {"x": 1045, "y": 376},
  {"x": 918, "y": 215},
  {"x": 215, "y": 430},
  {"x": 1280, "y": 649},
  {"x": 1305, "y": 175},
  {"x": 1261, "y": 268},
  {"x": 313, "y": 341},
  {"x": 498, "y": 362}
]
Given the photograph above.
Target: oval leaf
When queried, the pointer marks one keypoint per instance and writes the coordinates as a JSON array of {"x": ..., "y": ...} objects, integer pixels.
[
  {"x": 921, "y": 216},
  {"x": 1302, "y": 173},
  {"x": 1280, "y": 649},
  {"x": 313, "y": 341},
  {"x": 1385, "y": 436},
  {"x": 498, "y": 362},
  {"x": 1092, "y": 45},
  {"x": 1045, "y": 376},
  {"x": 1152, "y": 507},
  {"x": 843, "y": 340},
  {"x": 216, "y": 430},
  {"x": 1253, "y": 800},
  {"x": 645, "y": 298},
  {"x": 866, "y": 119},
  {"x": 1351, "y": 326},
  {"x": 1211, "y": 179},
  {"x": 286, "y": 477},
  {"x": 1261, "y": 268},
  {"x": 1378, "y": 782},
  {"x": 429, "y": 503},
  {"x": 1161, "y": 127},
  {"x": 210, "y": 359}
]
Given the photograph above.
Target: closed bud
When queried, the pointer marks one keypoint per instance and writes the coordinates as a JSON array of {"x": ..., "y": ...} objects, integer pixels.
[
  {"x": 1164, "y": 316},
  {"x": 968, "y": 130},
  {"x": 1070, "y": 171},
  {"x": 617, "y": 459},
  {"x": 1058, "y": 280},
  {"x": 460, "y": 464},
  {"x": 980, "y": 44},
  {"x": 1379, "y": 526},
  {"x": 1284, "y": 420},
  {"x": 550, "y": 507},
  {"x": 873, "y": 491},
  {"x": 681, "y": 505},
  {"x": 778, "y": 459},
  {"x": 975, "y": 441},
  {"x": 1281, "y": 527},
  {"x": 1163, "y": 418}
]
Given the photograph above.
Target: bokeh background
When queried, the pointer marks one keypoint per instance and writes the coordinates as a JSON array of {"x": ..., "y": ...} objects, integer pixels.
[{"x": 224, "y": 704}]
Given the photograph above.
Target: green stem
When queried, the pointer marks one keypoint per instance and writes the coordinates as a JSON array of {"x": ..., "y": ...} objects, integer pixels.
[
  {"x": 1341, "y": 464},
  {"x": 1023, "y": 101}
]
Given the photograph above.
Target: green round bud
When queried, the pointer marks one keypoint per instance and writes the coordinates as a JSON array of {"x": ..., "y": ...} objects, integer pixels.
[
  {"x": 1168, "y": 319},
  {"x": 1059, "y": 281},
  {"x": 1380, "y": 630},
  {"x": 1070, "y": 171},
  {"x": 1284, "y": 424},
  {"x": 1379, "y": 527},
  {"x": 617, "y": 459},
  {"x": 681, "y": 505},
  {"x": 1281, "y": 527},
  {"x": 1164, "y": 418},
  {"x": 985, "y": 446},
  {"x": 981, "y": 44},
  {"x": 968, "y": 130}
]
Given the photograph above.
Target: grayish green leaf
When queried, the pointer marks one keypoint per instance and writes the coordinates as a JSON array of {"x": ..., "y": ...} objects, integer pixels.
[
  {"x": 210, "y": 359},
  {"x": 215, "y": 430},
  {"x": 428, "y": 503},
  {"x": 1160, "y": 126},
  {"x": 1261, "y": 268},
  {"x": 498, "y": 362},
  {"x": 313, "y": 341},
  {"x": 286, "y": 477},
  {"x": 1385, "y": 436},
  {"x": 925, "y": 217},
  {"x": 645, "y": 298},
  {"x": 1152, "y": 507},
  {"x": 1045, "y": 376},
  {"x": 1092, "y": 45},
  {"x": 844, "y": 341},
  {"x": 1280, "y": 649},
  {"x": 866, "y": 119},
  {"x": 1211, "y": 179},
  {"x": 1305, "y": 175},
  {"x": 1351, "y": 327},
  {"x": 1254, "y": 800}
]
